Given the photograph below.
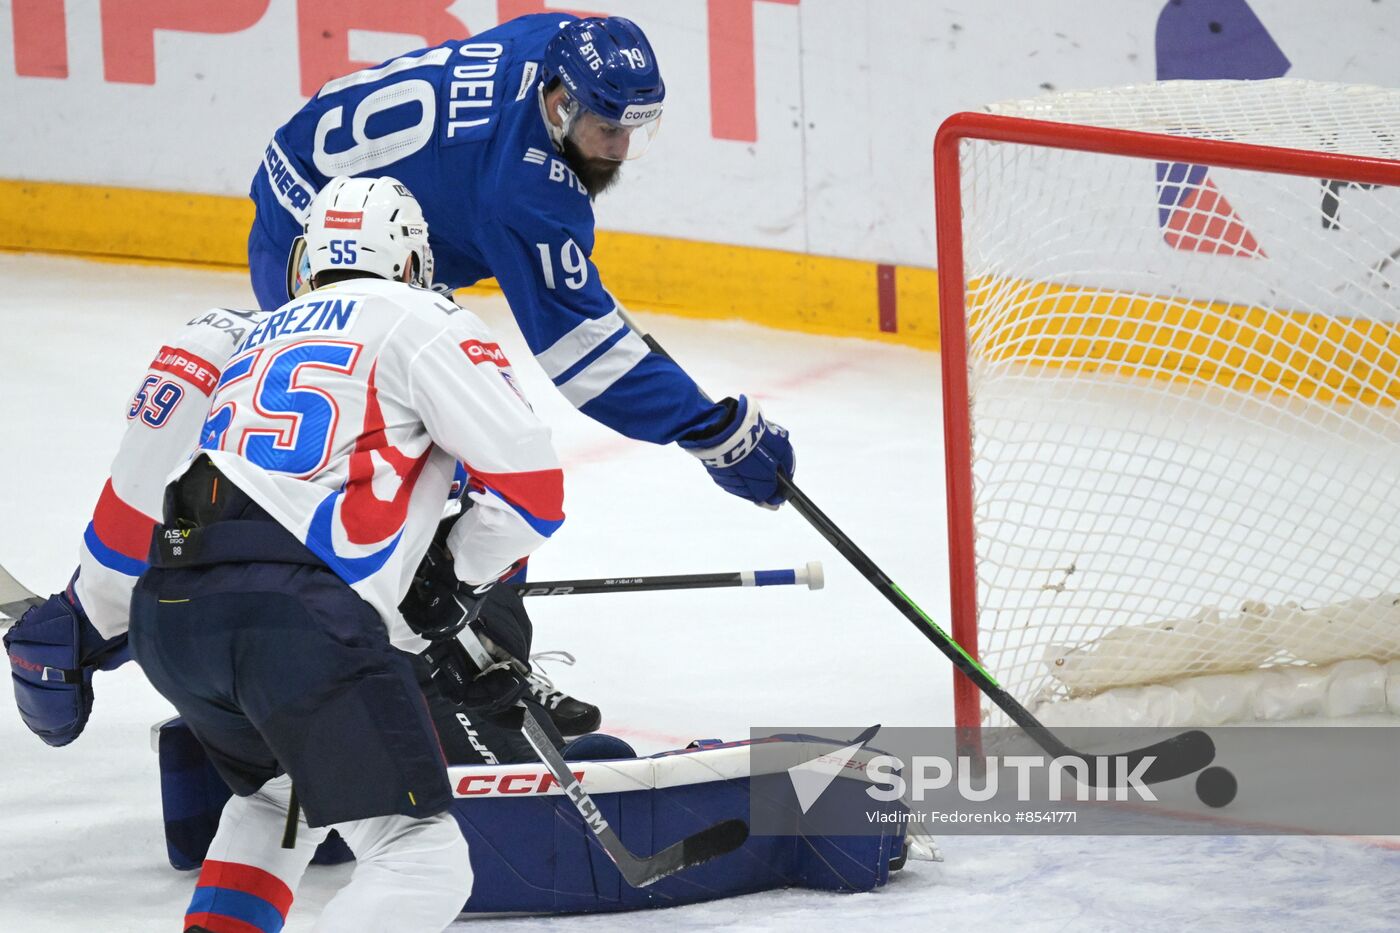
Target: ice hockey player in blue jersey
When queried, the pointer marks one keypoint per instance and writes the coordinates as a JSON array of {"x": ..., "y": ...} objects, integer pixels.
[{"x": 506, "y": 138}]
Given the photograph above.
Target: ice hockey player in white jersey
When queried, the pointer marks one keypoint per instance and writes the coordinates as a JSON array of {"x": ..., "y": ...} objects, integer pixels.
[
  {"x": 270, "y": 617},
  {"x": 56, "y": 647},
  {"x": 55, "y": 650}
]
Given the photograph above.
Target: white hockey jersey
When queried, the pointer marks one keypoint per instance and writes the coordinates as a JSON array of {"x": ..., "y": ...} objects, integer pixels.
[
  {"x": 326, "y": 412},
  {"x": 164, "y": 418},
  {"x": 344, "y": 414}
]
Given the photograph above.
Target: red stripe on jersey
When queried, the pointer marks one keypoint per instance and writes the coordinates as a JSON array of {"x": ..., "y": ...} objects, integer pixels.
[
  {"x": 367, "y": 519},
  {"x": 235, "y": 876},
  {"x": 122, "y": 528},
  {"x": 479, "y": 352},
  {"x": 199, "y": 373},
  {"x": 539, "y": 492},
  {"x": 218, "y": 923}
]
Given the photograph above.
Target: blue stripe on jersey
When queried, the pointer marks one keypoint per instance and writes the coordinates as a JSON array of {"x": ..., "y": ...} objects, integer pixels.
[
  {"x": 227, "y": 902},
  {"x": 543, "y": 527},
  {"x": 588, "y": 358},
  {"x": 112, "y": 560},
  {"x": 321, "y": 541}
]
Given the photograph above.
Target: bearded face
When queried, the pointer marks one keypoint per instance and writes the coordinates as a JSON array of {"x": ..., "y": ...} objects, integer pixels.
[{"x": 597, "y": 174}]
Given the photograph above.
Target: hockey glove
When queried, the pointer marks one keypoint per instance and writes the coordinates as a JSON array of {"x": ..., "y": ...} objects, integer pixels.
[
  {"x": 54, "y": 651},
  {"x": 745, "y": 454},
  {"x": 454, "y": 674},
  {"x": 505, "y": 633},
  {"x": 450, "y": 671},
  {"x": 439, "y": 605}
]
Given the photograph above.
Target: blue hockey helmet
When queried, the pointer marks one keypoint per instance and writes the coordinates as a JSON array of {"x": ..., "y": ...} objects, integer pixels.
[{"x": 609, "y": 72}]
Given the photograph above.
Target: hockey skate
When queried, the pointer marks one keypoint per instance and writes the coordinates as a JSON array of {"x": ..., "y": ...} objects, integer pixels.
[{"x": 571, "y": 716}]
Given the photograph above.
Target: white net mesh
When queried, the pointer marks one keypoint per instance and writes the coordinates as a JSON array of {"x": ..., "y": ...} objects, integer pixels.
[{"x": 1183, "y": 385}]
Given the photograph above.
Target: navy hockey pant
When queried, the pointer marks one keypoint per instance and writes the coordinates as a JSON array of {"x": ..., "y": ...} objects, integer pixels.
[{"x": 282, "y": 667}]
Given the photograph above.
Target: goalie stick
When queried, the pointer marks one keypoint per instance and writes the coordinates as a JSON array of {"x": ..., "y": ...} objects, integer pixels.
[
  {"x": 639, "y": 871},
  {"x": 1170, "y": 758},
  {"x": 811, "y": 576}
]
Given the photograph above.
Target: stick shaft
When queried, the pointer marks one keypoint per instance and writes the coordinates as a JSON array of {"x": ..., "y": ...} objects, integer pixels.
[{"x": 809, "y": 576}]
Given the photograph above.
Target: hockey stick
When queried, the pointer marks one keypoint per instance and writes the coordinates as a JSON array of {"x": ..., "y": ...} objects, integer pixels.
[
  {"x": 811, "y": 576},
  {"x": 15, "y": 597},
  {"x": 1166, "y": 760},
  {"x": 1170, "y": 758},
  {"x": 708, "y": 843},
  {"x": 711, "y": 842}
]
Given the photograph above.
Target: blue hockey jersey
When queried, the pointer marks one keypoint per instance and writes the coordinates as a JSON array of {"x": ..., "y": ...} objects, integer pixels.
[{"x": 461, "y": 126}]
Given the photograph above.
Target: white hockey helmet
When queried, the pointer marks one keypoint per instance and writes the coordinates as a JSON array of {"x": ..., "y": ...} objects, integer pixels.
[{"x": 373, "y": 225}]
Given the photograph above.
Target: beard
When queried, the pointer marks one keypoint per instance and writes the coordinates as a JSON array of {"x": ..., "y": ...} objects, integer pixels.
[{"x": 597, "y": 175}]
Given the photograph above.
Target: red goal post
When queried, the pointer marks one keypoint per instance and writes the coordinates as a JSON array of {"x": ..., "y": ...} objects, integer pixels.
[{"x": 950, "y": 177}]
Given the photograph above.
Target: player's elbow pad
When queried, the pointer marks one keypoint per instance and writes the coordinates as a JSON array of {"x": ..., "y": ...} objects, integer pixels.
[{"x": 54, "y": 651}]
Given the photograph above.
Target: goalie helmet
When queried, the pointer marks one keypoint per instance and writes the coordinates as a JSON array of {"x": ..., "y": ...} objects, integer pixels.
[
  {"x": 372, "y": 225},
  {"x": 613, "y": 83}
]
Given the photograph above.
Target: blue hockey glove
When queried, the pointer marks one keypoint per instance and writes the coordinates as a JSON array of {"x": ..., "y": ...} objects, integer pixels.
[
  {"x": 54, "y": 651},
  {"x": 745, "y": 454}
]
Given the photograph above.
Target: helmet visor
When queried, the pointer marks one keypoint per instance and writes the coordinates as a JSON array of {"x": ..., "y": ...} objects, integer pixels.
[
  {"x": 298, "y": 269},
  {"x": 600, "y": 138},
  {"x": 424, "y": 278}
]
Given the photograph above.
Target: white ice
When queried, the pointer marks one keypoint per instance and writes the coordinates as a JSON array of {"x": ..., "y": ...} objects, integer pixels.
[{"x": 81, "y": 844}]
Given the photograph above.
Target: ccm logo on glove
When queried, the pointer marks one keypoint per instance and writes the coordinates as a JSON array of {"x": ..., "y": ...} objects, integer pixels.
[{"x": 746, "y": 454}]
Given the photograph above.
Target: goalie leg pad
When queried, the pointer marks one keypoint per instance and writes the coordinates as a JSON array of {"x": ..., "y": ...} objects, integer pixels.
[{"x": 530, "y": 853}]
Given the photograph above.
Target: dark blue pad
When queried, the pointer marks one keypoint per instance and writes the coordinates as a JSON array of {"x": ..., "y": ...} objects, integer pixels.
[{"x": 282, "y": 667}]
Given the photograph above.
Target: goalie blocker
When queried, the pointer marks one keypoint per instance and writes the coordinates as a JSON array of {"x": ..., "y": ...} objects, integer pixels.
[{"x": 531, "y": 851}]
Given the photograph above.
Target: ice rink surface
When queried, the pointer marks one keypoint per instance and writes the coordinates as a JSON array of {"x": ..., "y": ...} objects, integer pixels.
[{"x": 81, "y": 845}]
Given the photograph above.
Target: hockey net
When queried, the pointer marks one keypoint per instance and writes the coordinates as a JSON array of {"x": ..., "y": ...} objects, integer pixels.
[{"x": 1171, "y": 362}]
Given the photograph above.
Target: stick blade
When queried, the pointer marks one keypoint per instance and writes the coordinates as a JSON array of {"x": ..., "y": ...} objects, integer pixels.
[
  {"x": 15, "y": 597},
  {"x": 1175, "y": 757},
  {"x": 10, "y": 612},
  {"x": 710, "y": 843},
  {"x": 865, "y": 736}
]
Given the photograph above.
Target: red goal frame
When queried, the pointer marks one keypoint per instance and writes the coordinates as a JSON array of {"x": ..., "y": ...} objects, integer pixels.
[{"x": 957, "y": 434}]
